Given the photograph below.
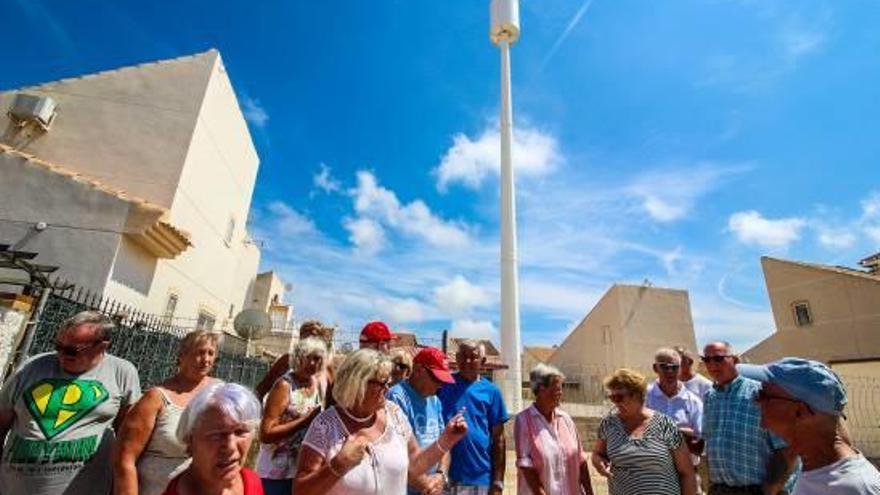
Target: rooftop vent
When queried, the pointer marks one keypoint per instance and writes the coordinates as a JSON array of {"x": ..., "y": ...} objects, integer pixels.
[{"x": 28, "y": 109}]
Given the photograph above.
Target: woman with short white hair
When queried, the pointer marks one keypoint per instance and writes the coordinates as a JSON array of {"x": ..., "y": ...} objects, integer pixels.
[
  {"x": 294, "y": 401},
  {"x": 217, "y": 428},
  {"x": 364, "y": 444},
  {"x": 549, "y": 455}
]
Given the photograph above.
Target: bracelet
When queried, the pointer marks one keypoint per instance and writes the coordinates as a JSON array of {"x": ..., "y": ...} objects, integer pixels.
[
  {"x": 440, "y": 446},
  {"x": 333, "y": 471}
]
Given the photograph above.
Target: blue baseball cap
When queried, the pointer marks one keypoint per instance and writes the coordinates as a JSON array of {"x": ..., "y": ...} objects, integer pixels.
[{"x": 808, "y": 381}]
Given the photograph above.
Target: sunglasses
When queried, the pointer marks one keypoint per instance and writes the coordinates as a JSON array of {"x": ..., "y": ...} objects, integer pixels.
[
  {"x": 401, "y": 366},
  {"x": 715, "y": 359},
  {"x": 616, "y": 397},
  {"x": 764, "y": 396},
  {"x": 74, "y": 350},
  {"x": 668, "y": 366},
  {"x": 380, "y": 383}
]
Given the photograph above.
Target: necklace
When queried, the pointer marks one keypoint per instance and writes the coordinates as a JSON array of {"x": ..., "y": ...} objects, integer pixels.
[{"x": 355, "y": 418}]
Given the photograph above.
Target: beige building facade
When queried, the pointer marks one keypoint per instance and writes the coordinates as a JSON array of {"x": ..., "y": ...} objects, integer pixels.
[
  {"x": 624, "y": 329},
  {"x": 139, "y": 189}
]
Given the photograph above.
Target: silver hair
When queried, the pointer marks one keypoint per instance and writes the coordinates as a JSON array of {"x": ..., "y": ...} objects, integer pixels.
[
  {"x": 103, "y": 322},
  {"x": 728, "y": 347},
  {"x": 667, "y": 352},
  {"x": 311, "y": 346},
  {"x": 232, "y": 399},
  {"x": 541, "y": 376},
  {"x": 474, "y": 345},
  {"x": 359, "y": 367}
]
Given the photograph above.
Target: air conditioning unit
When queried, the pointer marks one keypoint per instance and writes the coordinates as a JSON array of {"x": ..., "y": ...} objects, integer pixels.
[{"x": 32, "y": 108}]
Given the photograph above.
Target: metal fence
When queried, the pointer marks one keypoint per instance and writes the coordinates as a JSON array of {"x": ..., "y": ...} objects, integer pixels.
[{"x": 146, "y": 340}]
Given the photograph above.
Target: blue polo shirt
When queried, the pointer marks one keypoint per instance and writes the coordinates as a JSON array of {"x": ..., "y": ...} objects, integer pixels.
[
  {"x": 484, "y": 409},
  {"x": 425, "y": 415}
]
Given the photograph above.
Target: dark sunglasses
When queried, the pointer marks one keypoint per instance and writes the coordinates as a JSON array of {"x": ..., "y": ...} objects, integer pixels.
[
  {"x": 74, "y": 350},
  {"x": 402, "y": 366},
  {"x": 668, "y": 366},
  {"x": 617, "y": 397},
  {"x": 714, "y": 359}
]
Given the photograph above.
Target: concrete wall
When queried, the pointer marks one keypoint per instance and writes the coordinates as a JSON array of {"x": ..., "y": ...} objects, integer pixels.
[
  {"x": 595, "y": 343},
  {"x": 845, "y": 309},
  {"x": 266, "y": 287},
  {"x": 84, "y": 223},
  {"x": 129, "y": 128}
]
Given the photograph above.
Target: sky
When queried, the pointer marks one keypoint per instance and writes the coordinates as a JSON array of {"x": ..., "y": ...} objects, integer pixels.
[{"x": 662, "y": 143}]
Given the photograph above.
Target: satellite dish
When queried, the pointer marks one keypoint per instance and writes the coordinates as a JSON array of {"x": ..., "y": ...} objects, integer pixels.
[{"x": 252, "y": 324}]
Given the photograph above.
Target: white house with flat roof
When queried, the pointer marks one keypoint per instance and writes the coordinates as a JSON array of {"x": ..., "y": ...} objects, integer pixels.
[{"x": 137, "y": 182}]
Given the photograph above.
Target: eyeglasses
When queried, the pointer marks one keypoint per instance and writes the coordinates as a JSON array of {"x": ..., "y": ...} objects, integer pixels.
[
  {"x": 668, "y": 366},
  {"x": 617, "y": 397},
  {"x": 74, "y": 350},
  {"x": 402, "y": 366},
  {"x": 380, "y": 383},
  {"x": 715, "y": 359},
  {"x": 764, "y": 396}
]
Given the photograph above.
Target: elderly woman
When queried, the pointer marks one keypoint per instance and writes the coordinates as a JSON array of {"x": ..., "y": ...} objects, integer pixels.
[
  {"x": 364, "y": 444},
  {"x": 148, "y": 454},
  {"x": 401, "y": 363},
  {"x": 217, "y": 428},
  {"x": 642, "y": 450},
  {"x": 549, "y": 456},
  {"x": 294, "y": 401}
]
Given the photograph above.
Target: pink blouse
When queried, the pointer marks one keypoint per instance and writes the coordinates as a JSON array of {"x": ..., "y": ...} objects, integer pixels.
[{"x": 553, "y": 449}]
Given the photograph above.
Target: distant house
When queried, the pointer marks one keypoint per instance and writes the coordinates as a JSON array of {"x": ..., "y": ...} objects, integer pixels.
[
  {"x": 136, "y": 182},
  {"x": 624, "y": 329}
]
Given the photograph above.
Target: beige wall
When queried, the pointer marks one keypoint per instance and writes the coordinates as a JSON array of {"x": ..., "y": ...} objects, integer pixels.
[
  {"x": 845, "y": 308},
  {"x": 266, "y": 286}
]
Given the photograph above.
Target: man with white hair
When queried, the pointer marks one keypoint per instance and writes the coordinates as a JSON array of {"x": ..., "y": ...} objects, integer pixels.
[{"x": 59, "y": 409}]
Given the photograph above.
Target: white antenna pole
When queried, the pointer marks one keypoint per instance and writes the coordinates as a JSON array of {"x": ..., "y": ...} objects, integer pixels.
[{"x": 504, "y": 32}]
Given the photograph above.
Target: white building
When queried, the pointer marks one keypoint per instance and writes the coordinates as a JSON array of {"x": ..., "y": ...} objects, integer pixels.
[{"x": 139, "y": 189}]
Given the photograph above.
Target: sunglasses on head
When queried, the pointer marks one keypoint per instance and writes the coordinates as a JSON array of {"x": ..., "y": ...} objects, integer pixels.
[
  {"x": 715, "y": 359},
  {"x": 668, "y": 366},
  {"x": 74, "y": 350}
]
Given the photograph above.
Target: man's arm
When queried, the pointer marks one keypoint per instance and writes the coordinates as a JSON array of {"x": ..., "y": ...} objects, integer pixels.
[
  {"x": 779, "y": 468},
  {"x": 7, "y": 418},
  {"x": 499, "y": 458}
]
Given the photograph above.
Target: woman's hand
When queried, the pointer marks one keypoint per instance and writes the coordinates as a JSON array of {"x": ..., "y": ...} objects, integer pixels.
[
  {"x": 350, "y": 455},
  {"x": 455, "y": 430},
  {"x": 602, "y": 465}
]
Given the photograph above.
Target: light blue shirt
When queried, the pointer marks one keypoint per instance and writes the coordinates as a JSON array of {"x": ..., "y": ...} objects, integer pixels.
[{"x": 425, "y": 414}]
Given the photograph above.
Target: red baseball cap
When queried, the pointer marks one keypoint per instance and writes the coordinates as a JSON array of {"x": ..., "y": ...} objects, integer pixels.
[
  {"x": 376, "y": 331},
  {"x": 434, "y": 359}
]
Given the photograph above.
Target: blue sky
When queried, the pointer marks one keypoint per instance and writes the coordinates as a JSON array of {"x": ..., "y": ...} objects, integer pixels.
[{"x": 670, "y": 141}]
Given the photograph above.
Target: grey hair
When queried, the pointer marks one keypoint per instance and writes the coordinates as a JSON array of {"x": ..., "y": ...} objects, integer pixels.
[
  {"x": 541, "y": 376},
  {"x": 359, "y": 367},
  {"x": 232, "y": 399},
  {"x": 310, "y": 346},
  {"x": 728, "y": 347},
  {"x": 474, "y": 345},
  {"x": 103, "y": 322},
  {"x": 667, "y": 352}
]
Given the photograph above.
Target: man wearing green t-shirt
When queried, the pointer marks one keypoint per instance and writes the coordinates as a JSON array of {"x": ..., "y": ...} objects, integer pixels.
[{"x": 59, "y": 409}]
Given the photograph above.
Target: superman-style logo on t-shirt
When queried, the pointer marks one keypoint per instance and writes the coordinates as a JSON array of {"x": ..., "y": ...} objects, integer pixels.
[{"x": 56, "y": 404}]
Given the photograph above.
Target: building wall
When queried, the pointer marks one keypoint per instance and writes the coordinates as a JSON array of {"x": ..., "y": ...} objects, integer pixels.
[
  {"x": 845, "y": 311},
  {"x": 594, "y": 344},
  {"x": 85, "y": 223},
  {"x": 266, "y": 286},
  {"x": 129, "y": 128}
]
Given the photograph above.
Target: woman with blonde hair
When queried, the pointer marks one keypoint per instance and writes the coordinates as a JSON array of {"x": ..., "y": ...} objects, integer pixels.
[
  {"x": 364, "y": 444},
  {"x": 148, "y": 454},
  {"x": 401, "y": 363},
  {"x": 639, "y": 450},
  {"x": 294, "y": 401}
]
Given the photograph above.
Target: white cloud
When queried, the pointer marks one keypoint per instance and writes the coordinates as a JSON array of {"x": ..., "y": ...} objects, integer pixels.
[
  {"x": 254, "y": 112},
  {"x": 366, "y": 234},
  {"x": 669, "y": 195},
  {"x": 468, "y": 162},
  {"x": 473, "y": 329},
  {"x": 750, "y": 227},
  {"x": 381, "y": 205},
  {"x": 407, "y": 310},
  {"x": 458, "y": 297},
  {"x": 836, "y": 238},
  {"x": 871, "y": 206},
  {"x": 324, "y": 181},
  {"x": 289, "y": 221}
]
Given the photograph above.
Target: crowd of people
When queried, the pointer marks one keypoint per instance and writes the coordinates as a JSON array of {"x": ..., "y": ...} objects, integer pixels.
[{"x": 383, "y": 421}]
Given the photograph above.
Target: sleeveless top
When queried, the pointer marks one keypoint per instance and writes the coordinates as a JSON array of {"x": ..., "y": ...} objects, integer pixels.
[
  {"x": 164, "y": 457},
  {"x": 383, "y": 470},
  {"x": 277, "y": 461}
]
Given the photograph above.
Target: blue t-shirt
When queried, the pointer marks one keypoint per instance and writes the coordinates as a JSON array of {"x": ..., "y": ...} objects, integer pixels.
[
  {"x": 425, "y": 415},
  {"x": 484, "y": 409}
]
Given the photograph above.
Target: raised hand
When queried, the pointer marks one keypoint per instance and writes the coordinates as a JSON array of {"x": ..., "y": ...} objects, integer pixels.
[{"x": 350, "y": 455}]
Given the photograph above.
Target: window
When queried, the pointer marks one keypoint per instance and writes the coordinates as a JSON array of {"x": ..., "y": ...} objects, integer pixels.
[
  {"x": 230, "y": 231},
  {"x": 205, "y": 321},
  {"x": 170, "y": 308},
  {"x": 802, "y": 315}
]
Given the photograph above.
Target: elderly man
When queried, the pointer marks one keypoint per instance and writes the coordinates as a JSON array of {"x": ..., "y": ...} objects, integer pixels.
[
  {"x": 478, "y": 460},
  {"x": 377, "y": 336},
  {"x": 802, "y": 401},
  {"x": 743, "y": 457},
  {"x": 698, "y": 384},
  {"x": 58, "y": 410},
  {"x": 416, "y": 396}
]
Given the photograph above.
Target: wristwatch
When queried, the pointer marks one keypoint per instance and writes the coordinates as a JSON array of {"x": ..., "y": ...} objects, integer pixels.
[{"x": 498, "y": 484}]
